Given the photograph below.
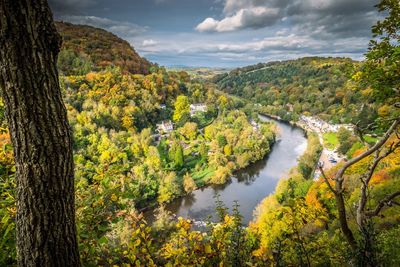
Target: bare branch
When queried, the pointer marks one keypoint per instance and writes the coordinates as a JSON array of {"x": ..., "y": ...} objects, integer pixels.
[
  {"x": 387, "y": 201},
  {"x": 326, "y": 180}
]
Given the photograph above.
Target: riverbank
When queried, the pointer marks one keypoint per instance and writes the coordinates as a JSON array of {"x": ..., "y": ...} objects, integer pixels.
[
  {"x": 249, "y": 185},
  {"x": 329, "y": 157}
]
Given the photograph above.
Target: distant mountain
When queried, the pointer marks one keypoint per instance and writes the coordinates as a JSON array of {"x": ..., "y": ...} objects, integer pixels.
[{"x": 87, "y": 48}]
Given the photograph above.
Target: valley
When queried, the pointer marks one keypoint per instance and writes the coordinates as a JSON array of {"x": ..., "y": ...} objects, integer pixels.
[{"x": 109, "y": 159}]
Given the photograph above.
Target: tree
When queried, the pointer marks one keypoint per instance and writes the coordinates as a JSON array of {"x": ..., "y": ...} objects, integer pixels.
[
  {"x": 189, "y": 130},
  {"x": 169, "y": 188},
  {"x": 182, "y": 108},
  {"x": 178, "y": 157},
  {"x": 40, "y": 134},
  {"x": 381, "y": 73},
  {"x": 176, "y": 154},
  {"x": 188, "y": 183},
  {"x": 222, "y": 102},
  {"x": 380, "y": 152},
  {"x": 346, "y": 140}
]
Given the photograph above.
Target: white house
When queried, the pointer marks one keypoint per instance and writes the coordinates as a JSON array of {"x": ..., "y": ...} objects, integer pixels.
[
  {"x": 195, "y": 108},
  {"x": 165, "y": 127}
]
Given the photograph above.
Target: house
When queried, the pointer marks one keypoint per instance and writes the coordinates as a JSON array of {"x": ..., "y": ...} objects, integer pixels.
[
  {"x": 196, "y": 108},
  {"x": 163, "y": 106},
  {"x": 165, "y": 127}
]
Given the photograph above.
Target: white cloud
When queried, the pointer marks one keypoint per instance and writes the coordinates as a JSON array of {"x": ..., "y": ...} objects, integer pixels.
[
  {"x": 209, "y": 24},
  {"x": 255, "y": 17},
  {"x": 149, "y": 42},
  {"x": 242, "y": 14},
  {"x": 217, "y": 50}
]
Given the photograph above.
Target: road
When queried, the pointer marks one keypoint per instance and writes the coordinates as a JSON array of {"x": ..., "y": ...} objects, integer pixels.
[{"x": 326, "y": 154}]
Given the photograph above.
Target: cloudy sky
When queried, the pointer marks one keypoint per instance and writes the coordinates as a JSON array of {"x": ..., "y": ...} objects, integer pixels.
[{"x": 229, "y": 33}]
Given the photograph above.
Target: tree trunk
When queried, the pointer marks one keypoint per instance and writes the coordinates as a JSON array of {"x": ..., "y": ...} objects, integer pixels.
[
  {"x": 343, "y": 221},
  {"x": 40, "y": 134}
]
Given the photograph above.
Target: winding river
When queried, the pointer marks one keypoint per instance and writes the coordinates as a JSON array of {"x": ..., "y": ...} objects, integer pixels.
[{"x": 250, "y": 185}]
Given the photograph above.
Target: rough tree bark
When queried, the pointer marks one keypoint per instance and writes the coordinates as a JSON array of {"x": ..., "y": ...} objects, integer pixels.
[{"x": 40, "y": 134}]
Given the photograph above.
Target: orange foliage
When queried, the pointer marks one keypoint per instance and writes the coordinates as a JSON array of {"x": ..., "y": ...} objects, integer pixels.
[
  {"x": 379, "y": 176},
  {"x": 6, "y": 155}
]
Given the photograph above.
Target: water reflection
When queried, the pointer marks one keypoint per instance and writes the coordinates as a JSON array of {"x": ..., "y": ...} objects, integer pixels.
[{"x": 250, "y": 174}]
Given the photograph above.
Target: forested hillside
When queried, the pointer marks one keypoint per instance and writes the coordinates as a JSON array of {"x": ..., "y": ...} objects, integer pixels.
[
  {"x": 87, "y": 48},
  {"x": 313, "y": 85}
]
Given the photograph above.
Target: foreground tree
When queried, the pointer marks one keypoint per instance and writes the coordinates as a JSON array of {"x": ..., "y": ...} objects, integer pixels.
[
  {"x": 380, "y": 72},
  {"x": 40, "y": 134}
]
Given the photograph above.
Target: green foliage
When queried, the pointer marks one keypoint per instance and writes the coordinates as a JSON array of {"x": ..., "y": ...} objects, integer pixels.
[
  {"x": 389, "y": 247},
  {"x": 315, "y": 85},
  {"x": 221, "y": 140},
  {"x": 176, "y": 153},
  {"x": 70, "y": 62},
  {"x": 308, "y": 161},
  {"x": 169, "y": 188},
  {"x": 380, "y": 70}
]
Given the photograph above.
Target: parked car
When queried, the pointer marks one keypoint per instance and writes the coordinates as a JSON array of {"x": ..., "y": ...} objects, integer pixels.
[{"x": 332, "y": 160}]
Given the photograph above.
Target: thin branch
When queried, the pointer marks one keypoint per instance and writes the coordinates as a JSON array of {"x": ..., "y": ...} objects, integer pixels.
[
  {"x": 379, "y": 144},
  {"x": 326, "y": 180},
  {"x": 387, "y": 201},
  {"x": 378, "y": 158},
  {"x": 366, "y": 178}
]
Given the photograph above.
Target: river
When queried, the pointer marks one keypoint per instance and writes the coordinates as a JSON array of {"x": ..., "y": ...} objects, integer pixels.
[{"x": 249, "y": 185}]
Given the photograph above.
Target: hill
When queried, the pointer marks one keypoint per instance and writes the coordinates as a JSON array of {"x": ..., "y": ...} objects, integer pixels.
[
  {"x": 86, "y": 48},
  {"x": 315, "y": 85}
]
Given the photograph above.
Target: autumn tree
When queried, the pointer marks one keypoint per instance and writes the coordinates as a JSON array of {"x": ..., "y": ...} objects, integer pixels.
[
  {"x": 381, "y": 73},
  {"x": 182, "y": 108},
  {"x": 40, "y": 134}
]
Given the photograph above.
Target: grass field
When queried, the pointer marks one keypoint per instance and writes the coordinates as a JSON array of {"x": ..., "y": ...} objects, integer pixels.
[{"x": 330, "y": 140}]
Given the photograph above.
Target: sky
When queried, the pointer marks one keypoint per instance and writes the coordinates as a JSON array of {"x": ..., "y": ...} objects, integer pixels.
[{"x": 229, "y": 33}]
